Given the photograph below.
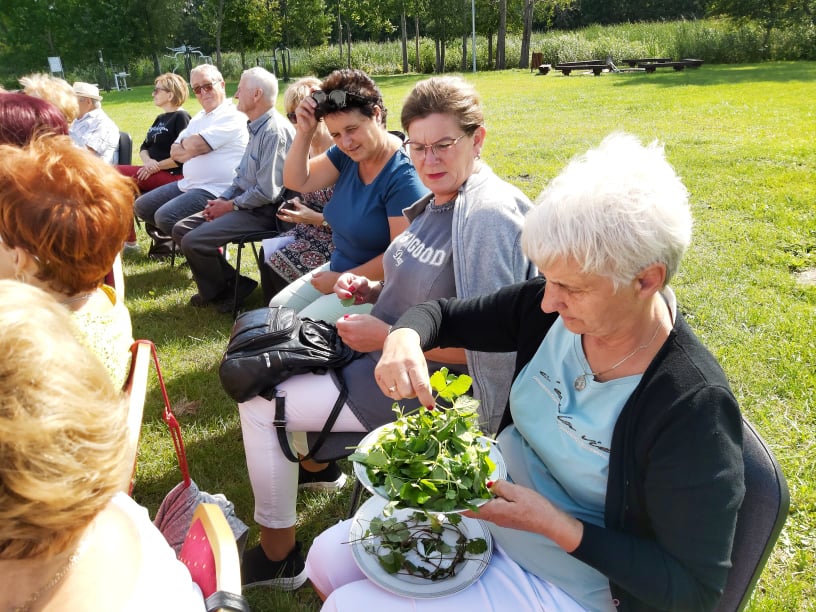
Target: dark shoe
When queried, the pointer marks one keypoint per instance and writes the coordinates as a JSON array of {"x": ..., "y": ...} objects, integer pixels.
[
  {"x": 246, "y": 286},
  {"x": 329, "y": 478},
  {"x": 287, "y": 575},
  {"x": 198, "y": 301}
]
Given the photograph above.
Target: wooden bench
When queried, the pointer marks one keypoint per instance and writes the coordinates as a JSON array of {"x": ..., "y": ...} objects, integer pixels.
[
  {"x": 692, "y": 63},
  {"x": 645, "y": 60},
  {"x": 652, "y": 66},
  {"x": 596, "y": 66}
]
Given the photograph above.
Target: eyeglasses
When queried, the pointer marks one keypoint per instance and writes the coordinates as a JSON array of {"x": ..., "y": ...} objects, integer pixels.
[
  {"x": 205, "y": 88},
  {"x": 292, "y": 117},
  {"x": 337, "y": 99},
  {"x": 158, "y": 89},
  {"x": 439, "y": 149}
]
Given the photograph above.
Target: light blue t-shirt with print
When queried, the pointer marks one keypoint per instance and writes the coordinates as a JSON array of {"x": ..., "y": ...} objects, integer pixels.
[{"x": 559, "y": 446}]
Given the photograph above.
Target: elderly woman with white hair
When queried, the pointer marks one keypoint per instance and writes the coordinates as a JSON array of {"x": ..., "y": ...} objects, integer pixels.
[{"x": 622, "y": 438}]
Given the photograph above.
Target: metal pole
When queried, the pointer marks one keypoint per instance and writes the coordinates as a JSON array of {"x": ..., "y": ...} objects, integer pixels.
[{"x": 473, "y": 25}]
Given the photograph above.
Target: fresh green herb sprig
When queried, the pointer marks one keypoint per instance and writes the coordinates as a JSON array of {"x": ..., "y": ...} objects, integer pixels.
[
  {"x": 418, "y": 546},
  {"x": 435, "y": 460}
]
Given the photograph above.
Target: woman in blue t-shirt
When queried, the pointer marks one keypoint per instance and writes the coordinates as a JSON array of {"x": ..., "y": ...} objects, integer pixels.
[{"x": 373, "y": 181}]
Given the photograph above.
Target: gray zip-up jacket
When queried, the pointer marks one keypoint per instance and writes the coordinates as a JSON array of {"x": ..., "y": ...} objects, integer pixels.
[{"x": 487, "y": 219}]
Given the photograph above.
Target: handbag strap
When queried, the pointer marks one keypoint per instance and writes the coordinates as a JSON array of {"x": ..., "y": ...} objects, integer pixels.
[
  {"x": 280, "y": 424},
  {"x": 167, "y": 415},
  {"x": 224, "y": 600}
]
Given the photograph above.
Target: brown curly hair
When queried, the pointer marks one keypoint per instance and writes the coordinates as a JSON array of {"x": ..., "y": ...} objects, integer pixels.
[
  {"x": 67, "y": 208},
  {"x": 358, "y": 83}
]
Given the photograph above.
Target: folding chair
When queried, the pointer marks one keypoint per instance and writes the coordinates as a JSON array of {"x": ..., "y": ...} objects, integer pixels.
[
  {"x": 125, "y": 149},
  {"x": 759, "y": 521},
  {"x": 251, "y": 238},
  {"x": 136, "y": 390},
  {"x": 210, "y": 553},
  {"x": 116, "y": 278}
]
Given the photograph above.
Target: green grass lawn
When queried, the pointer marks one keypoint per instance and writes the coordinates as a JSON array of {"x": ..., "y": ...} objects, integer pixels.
[{"x": 742, "y": 137}]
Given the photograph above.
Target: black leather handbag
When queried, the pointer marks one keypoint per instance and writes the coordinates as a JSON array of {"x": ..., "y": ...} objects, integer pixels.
[{"x": 268, "y": 345}]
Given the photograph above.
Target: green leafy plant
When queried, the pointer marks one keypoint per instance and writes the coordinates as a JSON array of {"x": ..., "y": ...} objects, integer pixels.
[
  {"x": 435, "y": 460},
  {"x": 422, "y": 544}
]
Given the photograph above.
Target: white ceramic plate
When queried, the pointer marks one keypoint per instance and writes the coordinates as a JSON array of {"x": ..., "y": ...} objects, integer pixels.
[
  {"x": 499, "y": 473},
  {"x": 414, "y": 586}
]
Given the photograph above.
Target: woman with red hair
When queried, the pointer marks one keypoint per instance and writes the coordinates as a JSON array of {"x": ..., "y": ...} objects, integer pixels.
[{"x": 64, "y": 214}]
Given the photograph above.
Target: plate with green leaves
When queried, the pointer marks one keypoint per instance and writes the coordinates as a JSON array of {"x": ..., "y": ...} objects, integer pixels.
[
  {"x": 432, "y": 460},
  {"x": 418, "y": 554}
]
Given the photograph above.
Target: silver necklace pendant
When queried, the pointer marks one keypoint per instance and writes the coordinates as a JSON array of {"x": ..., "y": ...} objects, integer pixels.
[{"x": 580, "y": 383}]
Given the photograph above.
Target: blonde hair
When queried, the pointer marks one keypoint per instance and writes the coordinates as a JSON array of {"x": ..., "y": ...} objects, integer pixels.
[
  {"x": 297, "y": 91},
  {"x": 54, "y": 90},
  {"x": 62, "y": 428},
  {"x": 175, "y": 84}
]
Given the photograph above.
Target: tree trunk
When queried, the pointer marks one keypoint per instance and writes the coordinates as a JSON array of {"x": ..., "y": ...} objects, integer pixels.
[
  {"x": 416, "y": 43},
  {"x": 436, "y": 53},
  {"x": 339, "y": 32},
  {"x": 464, "y": 52},
  {"x": 218, "y": 28},
  {"x": 404, "y": 40},
  {"x": 526, "y": 34},
  {"x": 490, "y": 50},
  {"x": 502, "y": 34},
  {"x": 348, "y": 59},
  {"x": 156, "y": 64}
]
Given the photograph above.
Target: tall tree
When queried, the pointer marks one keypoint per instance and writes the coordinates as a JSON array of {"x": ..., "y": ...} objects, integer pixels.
[{"x": 308, "y": 23}]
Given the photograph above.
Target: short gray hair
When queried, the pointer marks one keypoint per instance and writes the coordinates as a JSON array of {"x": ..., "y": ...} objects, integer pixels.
[
  {"x": 615, "y": 210},
  {"x": 263, "y": 80},
  {"x": 209, "y": 70}
]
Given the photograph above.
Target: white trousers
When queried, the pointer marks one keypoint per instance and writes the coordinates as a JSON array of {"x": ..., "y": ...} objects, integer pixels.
[
  {"x": 274, "y": 479},
  {"x": 503, "y": 587}
]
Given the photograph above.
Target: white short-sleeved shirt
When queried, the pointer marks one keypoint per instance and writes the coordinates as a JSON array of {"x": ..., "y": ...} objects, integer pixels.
[{"x": 225, "y": 130}]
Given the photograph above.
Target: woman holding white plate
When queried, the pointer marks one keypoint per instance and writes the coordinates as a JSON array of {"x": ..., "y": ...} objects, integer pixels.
[{"x": 622, "y": 438}]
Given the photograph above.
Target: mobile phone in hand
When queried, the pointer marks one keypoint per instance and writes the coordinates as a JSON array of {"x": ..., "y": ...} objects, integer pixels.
[{"x": 287, "y": 205}]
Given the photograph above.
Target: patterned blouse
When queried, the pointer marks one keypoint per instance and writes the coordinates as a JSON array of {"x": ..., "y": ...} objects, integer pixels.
[{"x": 312, "y": 246}]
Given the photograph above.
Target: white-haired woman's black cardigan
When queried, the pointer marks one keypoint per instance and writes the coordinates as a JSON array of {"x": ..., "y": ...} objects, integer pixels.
[{"x": 675, "y": 466}]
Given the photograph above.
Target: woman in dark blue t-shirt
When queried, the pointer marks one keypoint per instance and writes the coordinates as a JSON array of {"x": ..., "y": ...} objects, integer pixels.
[{"x": 373, "y": 181}]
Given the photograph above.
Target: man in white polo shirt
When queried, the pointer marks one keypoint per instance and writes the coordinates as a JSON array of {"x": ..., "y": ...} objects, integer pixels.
[{"x": 210, "y": 148}]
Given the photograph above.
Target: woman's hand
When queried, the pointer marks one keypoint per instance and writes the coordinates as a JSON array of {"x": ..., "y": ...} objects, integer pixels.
[
  {"x": 362, "y": 332},
  {"x": 306, "y": 123},
  {"x": 359, "y": 287},
  {"x": 522, "y": 508},
  {"x": 402, "y": 370},
  {"x": 324, "y": 281},
  {"x": 297, "y": 212},
  {"x": 149, "y": 168}
]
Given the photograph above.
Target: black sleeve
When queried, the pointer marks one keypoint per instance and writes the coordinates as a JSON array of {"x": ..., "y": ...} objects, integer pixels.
[{"x": 489, "y": 323}]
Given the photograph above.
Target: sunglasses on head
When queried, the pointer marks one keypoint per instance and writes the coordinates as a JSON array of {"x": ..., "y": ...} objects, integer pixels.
[
  {"x": 205, "y": 88},
  {"x": 337, "y": 99}
]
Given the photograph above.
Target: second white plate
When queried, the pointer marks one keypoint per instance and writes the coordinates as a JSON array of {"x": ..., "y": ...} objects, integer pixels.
[{"x": 414, "y": 586}]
